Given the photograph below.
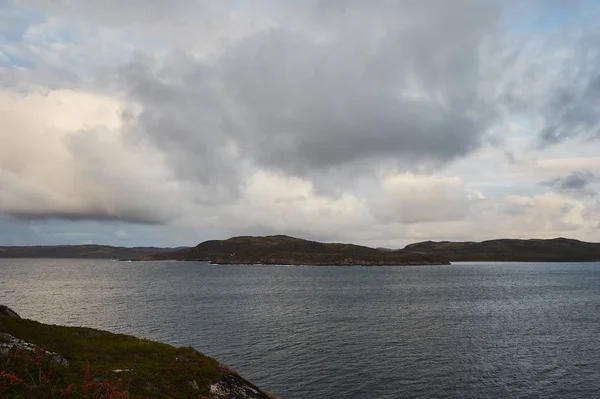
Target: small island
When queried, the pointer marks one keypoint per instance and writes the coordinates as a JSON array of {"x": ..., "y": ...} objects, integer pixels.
[
  {"x": 48, "y": 361},
  {"x": 286, "y": 250}
]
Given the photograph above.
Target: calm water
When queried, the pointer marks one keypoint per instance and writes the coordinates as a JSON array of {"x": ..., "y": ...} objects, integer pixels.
[{"x": 461, "y": 331}]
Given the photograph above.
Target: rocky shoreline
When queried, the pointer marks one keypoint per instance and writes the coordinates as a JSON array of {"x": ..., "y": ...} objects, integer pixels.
[{"x": 274, "y": 260}]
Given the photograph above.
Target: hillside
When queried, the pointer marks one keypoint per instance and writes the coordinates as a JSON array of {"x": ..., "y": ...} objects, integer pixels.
[
  {"x": 287, "y": 250},
  {"x": 49, "y": 361},
  {"x": 78, "y": 251},
  {"x": 533, "y": 250}
]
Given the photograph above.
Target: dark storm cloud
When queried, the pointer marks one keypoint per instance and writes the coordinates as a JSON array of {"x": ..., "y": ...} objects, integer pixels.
[
  {"x": 572, "y": 107},
  {"x": 397, "y": 82},
  {"x": 100, "y": 215},
  {"x": 575, "y": 182},
  {"x": 573, "y": 113}
]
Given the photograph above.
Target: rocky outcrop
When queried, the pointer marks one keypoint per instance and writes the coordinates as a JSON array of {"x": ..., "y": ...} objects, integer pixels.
[
  {"x": 234, "y": 386},
  {"x": 9, "y": 343}
]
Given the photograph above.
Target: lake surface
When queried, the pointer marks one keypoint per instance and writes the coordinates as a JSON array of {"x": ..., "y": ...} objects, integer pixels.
[{"x": 470, "y": 330}]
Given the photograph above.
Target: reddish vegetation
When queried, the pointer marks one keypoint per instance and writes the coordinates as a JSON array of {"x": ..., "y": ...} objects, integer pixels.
[{"x": 34, "y": 374}]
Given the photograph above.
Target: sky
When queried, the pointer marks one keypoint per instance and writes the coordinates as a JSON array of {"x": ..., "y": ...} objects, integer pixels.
[{"x": 153, "y": 122}]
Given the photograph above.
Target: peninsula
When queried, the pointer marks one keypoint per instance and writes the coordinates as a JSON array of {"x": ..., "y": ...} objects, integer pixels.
[
  {"x": 48, "y": 361},
  {"x": 285, "y": 250}
]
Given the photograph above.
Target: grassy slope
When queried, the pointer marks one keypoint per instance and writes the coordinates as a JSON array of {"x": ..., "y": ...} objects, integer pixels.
[{"x": 158, "y": 370}]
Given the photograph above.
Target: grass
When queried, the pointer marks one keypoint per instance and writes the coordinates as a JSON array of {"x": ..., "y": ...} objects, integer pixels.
[{"x": 155, "y": 369}]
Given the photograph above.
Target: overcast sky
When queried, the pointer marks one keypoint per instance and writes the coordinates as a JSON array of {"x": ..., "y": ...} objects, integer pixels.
[{"x": 159, "y": 122}]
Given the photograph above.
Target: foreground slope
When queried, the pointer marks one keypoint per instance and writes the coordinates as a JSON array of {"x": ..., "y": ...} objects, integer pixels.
[
  {"x": 78, "y": 251},
  {"x": 47, "y": 361},
  {"x": 285, "y": 250},
  {"x": 533, "y": 250}
]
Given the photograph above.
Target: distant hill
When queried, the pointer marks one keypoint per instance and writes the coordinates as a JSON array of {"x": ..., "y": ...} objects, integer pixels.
[
  {"x": 79, "y": 251},
  {"x": 533, "y": 250},
  {"x": 281, "y": 249}
]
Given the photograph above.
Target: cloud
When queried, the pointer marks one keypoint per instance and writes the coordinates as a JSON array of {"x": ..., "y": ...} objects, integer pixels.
[
  {"x": 545, "y": 215},
  {"x": 273, "y": 203},
  {"x": 321, "y": 97},
  {"x": 550, "y": 80},
  {"x": 372, "y": 123},
  {"x": 70, "y": 161},
  {"x": 575, "y": 182},
  {"x": 571, "y": 110},
  {"x": 408, "y": 198},
  {"x": 212, "y": 124}
]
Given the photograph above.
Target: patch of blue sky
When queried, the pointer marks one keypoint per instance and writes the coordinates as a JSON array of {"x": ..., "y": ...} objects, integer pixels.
[
  {"x": 14, "y": 22},
  {"x": 10, "y": 60},
  {"x": 497, "y": 191},
  {"x": 548, "y": 15},
  {"x": 13, "y": 27},
  {"x": 522, "y": 126},
  {"x": 58, "y": 231}
]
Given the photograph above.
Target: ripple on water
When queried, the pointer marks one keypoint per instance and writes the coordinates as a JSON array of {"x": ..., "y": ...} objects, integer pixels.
[{"x": 460, "y": 331}]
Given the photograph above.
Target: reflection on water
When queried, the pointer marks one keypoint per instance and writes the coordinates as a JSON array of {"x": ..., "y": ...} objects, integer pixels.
[{"x": 466, "y": 330}]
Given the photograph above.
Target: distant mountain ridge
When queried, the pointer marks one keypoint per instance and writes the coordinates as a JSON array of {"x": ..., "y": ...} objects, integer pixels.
[
  {"x": 281, "y": 249},
  {"x": 90, "y": 251},
  {"x": 532, "y": 250}
]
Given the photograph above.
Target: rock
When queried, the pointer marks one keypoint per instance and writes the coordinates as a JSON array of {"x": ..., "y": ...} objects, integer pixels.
[
  {"x": 58, "y": 359},
  {"x": 193, "y": 385},
  {"x": 6, "y": 311},
  {"x": 8, "y": 342},
  {"x": 234, "y": 386}
]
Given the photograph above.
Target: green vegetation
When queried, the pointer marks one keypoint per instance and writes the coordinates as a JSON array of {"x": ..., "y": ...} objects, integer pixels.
[{"x": 98, "y": 364}]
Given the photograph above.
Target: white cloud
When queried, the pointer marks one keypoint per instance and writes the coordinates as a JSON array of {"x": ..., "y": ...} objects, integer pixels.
[
  {"x": 65, "y": 154},
  {"x": 545, "y": 216},
  {"x": 409, "y": 198},
  {"x": 550, "y": 167},
  {"x": 275, "y": 203}
]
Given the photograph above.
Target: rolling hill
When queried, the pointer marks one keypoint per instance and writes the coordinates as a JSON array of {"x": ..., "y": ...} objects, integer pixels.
[
  {"x": 532, "y": 250},
  {"x": 281, "y": 249},
  {"x": 78, "y": 251}
]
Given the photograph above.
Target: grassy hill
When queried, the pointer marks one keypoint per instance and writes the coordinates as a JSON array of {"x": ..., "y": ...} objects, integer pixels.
[
  {"x": 533, "y": 250},
  {"x": 281, "y": 249}
]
